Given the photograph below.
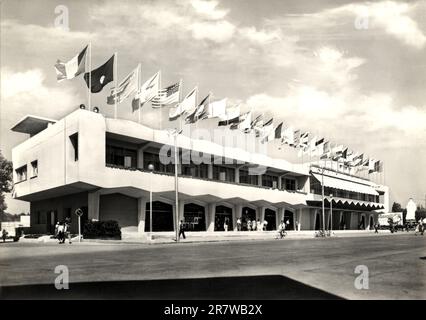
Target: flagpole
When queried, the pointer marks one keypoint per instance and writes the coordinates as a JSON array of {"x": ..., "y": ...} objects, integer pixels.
[
  {"x": 180, "y": 100},
  {"x": 116, "y": 83},
  {"x": 90, "y": 76},
  {"x": 139, "y": 88},
  {"x": 160, "y": 106}
]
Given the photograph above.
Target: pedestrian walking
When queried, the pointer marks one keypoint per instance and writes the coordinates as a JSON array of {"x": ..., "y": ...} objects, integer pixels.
[
  {"x": 4, "y": 235},
  {"x": 182, "y": 229},
  {"x": 67, "y": 230},
  {"x": 61, "y": 236},
  {"x": 376, "y": 227}
]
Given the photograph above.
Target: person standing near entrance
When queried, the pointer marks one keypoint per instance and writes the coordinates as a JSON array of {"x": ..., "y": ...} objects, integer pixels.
[
  {"x": 239, "y": 224},
  {"x": 225, "y": 225},
  {"x": 259, "y": 225},
  {"x": 265, "y": 225},
  {"x": 248, "y": 225},
  {"x": 182, "y": 229}
]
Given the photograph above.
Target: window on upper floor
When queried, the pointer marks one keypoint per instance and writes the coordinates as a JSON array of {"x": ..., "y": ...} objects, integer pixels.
[
  {"x": 34, "y": 169},
  {"x": 222, "y": 173},
  {"x": 269, "y": 181},
  {"x": 121, "y": 156},
  {"x": 247, "y": 178},
  {"x": 74, "y": 143},
  {"x": 290, "y": 184},
  {"x": 21, "y": 174}
]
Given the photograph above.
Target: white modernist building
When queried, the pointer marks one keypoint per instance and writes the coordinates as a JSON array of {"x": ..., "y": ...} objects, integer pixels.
[{"x": 100, "y": 165}]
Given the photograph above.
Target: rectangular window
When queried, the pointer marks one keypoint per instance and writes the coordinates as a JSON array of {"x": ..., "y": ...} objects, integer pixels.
[
  {"x": 154, "y": 159},
  {"x": 269, "y": 181},
  {"x": 34, "y": 169},
  {"x": 74, "y": 143},
  {"x": 290, "y": 184},
  {"x": 120, "y": 156},
  {"x": 21, "y": 174},
  {"x": 245, "y": 177},
  {"x": 222, "y": 173}
]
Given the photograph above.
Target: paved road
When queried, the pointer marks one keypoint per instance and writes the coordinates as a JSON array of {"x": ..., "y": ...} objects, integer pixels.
[{"x": 310, "y": 268}]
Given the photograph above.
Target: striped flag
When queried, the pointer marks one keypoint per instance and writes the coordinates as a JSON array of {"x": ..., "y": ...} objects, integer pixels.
[
  {"x": 199, "y": 112},
  {"x": 148, "y": 90},
  {"x": 244, "y": 124},
  {"x": 232, "y": 116},
  {"x": 266, "y": 130},
  {"x": 188, "y": 103},
  {"x": 72, "y": 68},
  {"x": 166, "y": 96},
  {"x": 126, "y": 87}
]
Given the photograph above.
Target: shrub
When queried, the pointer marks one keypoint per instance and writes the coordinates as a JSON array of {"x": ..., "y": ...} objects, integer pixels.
[{"x": 102, "y": 230}]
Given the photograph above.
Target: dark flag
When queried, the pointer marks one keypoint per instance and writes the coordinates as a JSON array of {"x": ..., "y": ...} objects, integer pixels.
[
  {"x": 101, "y": 76},
  {"x": 235, "y": 120},
  {"x": 278, "y": 131}
]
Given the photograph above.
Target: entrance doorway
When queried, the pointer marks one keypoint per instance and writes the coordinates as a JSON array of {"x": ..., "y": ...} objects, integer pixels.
[
  {"x": 247, "y": 214},
  {"x": 371, "y": 223},
  {"x": 162, "y": 216},
  {"x": 361, "y": 225},
  {"x": 317, "y": 221},
  {"x": 270, "y": 217},
  {"x": 223, "y": 214},
  {"x": 289, "y": 216},
  {"x": 194, "y": 217},
  {"x": 52, "y": 218}
]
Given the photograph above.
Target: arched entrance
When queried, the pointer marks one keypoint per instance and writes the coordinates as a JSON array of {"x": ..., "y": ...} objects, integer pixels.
[
  {"x": 371, "y": 223},
  {"x": 194, "y": 217},
  {"x": 270, "y": 218},
  {"x": 222, "y": 214},
  {"x": 317, "y": 221},
  {"x": 361, "y": 225},
  {"x": 162, "y": 216},
  {"x": 247, "y": 214},
  {"x": 289, "y": 217}
]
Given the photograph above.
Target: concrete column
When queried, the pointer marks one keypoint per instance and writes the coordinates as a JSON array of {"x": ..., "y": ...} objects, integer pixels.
[
  {"x": 140, "y": 158},
  {"x": 237, "y": 175},
  {"x": 210, "y": 214},
  {"x": 141, "y": 214},
  {"x": 210, "y": 171},
  {"x": 93, "y": 205},
  {"x": 259, "y": 180},
  {"x": 181, "y": 210},
  {"x": 280, "y": 183},
  {"x": 236, "y": 213}
]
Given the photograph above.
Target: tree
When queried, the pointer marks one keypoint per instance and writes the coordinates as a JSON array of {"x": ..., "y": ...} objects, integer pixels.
[
  {"x": 6, "y": 168},
  {"x": 396, "y": 207}
]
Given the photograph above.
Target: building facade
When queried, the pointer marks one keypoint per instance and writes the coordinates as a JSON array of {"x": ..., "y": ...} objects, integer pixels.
[{"x": 100, "y": 165}]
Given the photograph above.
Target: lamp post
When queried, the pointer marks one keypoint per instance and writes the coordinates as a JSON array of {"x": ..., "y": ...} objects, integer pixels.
[
  {"x": 331, "y": 213},
  {"x": 175, "y": 133},
  {"x": 151, "y": 169}
]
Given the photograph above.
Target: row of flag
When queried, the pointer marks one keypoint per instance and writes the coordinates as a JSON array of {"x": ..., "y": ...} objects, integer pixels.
[{"x": 191, "y": 111}]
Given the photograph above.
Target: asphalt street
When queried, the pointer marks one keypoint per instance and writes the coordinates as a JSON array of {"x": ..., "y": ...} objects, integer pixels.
[{"x": 262, "y": 269}]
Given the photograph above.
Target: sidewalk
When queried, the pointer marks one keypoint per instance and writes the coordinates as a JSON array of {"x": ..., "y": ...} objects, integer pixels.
[{"x": 217, "y": 236}]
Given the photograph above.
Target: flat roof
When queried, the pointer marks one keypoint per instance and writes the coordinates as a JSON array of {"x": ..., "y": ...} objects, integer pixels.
[{"x": 32, "y": 124}]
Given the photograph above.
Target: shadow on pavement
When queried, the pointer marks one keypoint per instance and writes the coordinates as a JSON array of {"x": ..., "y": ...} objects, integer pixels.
[{"x": 256, "y": 287}]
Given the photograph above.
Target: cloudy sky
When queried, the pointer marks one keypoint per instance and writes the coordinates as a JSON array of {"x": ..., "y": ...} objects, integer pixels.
[{"x": 353, "y": 72}]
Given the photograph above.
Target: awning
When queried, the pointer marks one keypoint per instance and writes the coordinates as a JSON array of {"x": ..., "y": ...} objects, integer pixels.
[
  {"x": 32, "y": 124},
  {"x": 337, "y": 183}
]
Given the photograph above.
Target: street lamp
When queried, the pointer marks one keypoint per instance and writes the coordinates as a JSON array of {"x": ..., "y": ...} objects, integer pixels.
[
  {"x": 175, "y": 133},
  {"x": 151, "y": 169},
  {"x": 331, "y": 213}
]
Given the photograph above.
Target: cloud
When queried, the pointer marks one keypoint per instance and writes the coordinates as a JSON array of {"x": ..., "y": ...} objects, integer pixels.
[
  {"x": 393, "y": 17},
  {"x": 26, "y": 92},
  {"x": 208, "y": 9},
  {"x": 220, "y": 31}
]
